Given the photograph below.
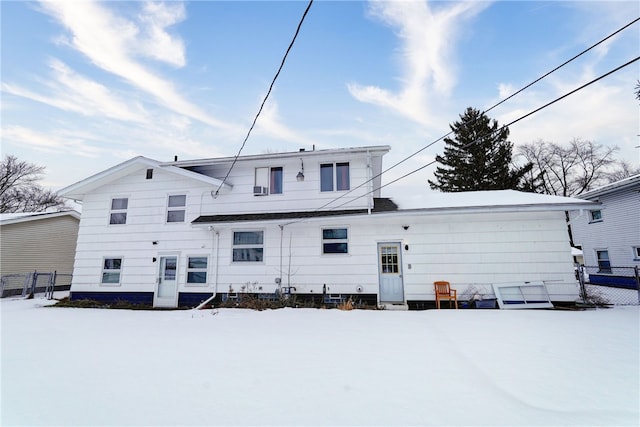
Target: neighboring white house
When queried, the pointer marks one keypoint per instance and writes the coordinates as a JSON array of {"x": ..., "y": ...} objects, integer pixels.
[
  {"x": 310, "y": 223},
  {"x": 609, "y": 234},
  {"x": 36, "y": 242}
]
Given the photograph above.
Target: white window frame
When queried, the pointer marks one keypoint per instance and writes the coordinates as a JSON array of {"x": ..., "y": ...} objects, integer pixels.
[
  {"x": 176, "y": 208},
  {"x": 636, "y": 253},
  {"x": 106, "y": 270},
  {"x": 263, "y": 178},
  {"x": 118, "y": 211},
  {"x": 249, "y": 246},
  {"x": 330, "y": 240},
  {"x": 592, "y": 215},
  {"x": 204, "y": 270},
  {"x": 334, "y": 176}
]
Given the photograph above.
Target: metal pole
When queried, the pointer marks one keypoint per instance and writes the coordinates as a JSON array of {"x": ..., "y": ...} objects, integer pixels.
[
  {"x": 583, "y": 288},
  {"x": 635, "y": 270}
]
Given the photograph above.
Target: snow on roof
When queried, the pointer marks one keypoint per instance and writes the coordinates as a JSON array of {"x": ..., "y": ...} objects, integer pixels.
[
  {"x": 486, "y": 199},
  {"x": 12, "y": 218},
  {"x": 610, "y": 188}
]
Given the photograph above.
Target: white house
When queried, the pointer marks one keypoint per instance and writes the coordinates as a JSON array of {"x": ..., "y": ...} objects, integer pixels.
[
  {"x": 609, "y": 234},
  {"x": 310, "y": 223}
]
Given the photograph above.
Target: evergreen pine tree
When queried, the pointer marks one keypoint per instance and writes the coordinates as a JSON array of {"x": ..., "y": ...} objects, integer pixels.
[{"x": 478, "y": 157}]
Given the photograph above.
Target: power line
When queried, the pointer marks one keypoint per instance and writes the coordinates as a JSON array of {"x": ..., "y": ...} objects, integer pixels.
[
  {"x": 266, "y": 96},
  {"x": 501, "y": 128},
  {"x": 485, "y": 111}
]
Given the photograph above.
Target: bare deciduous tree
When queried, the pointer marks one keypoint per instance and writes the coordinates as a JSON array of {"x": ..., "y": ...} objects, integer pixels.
[
  {"x": 623, "y": 170},
  {"x": 568, "y": 170},
  {"x": 19, "y": 190}
]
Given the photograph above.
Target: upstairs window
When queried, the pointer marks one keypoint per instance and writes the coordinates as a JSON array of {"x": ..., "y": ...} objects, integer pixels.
[
  {"x": 248, "y": 246},
  {"x": 268, "y": 181},
  {"x": 334, "y": 176},
  {"x": 176, "y": 208},
  {"x": 595, "y": 216},
  {"x": 118, "y": 213},
  {"x": 636, "y": 253},
  {"x": 197, "y": 270},
  {"x": 111, "y": 271},
  {"x": 604, "y": 264},
  {"x": 335, "y": 241}
]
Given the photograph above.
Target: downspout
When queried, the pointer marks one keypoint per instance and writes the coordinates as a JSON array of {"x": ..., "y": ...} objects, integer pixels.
[
  {"x": 280, "y": 271},
  {"x": 215, "y": 243},
  {"x": 369, "y": 183}
]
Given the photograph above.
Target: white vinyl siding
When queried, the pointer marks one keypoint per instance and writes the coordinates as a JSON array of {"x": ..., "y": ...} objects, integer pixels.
[
  {"x": 44, "y": 245},
  {"x": 617, "y": 231}
]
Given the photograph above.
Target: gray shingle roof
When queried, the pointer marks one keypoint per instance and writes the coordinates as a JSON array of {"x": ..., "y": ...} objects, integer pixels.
[{"x": 379, "y": 205}]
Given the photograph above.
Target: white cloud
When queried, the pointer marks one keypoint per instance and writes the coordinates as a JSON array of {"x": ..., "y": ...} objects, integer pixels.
[
  {"x": 427, "y": 37},
  {"x": 50, "y": 142},
  {"x": 79, "y": 94},
  {"x": 111, "y": 43},
  {"x": 270, "y": 123},
  {"x": 159, "y": 44}
]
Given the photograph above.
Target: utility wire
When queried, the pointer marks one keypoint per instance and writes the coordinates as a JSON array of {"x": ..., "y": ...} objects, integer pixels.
[
  {"x": 485, "y": 111},
  {"x": 266, "y": 96},
  {"x": 501, "y": 128}
]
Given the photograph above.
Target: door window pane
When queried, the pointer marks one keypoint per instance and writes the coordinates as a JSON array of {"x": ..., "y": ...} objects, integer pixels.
[
  {"x": 170, "y": 267},
  {"x": 389, "y": 259}
]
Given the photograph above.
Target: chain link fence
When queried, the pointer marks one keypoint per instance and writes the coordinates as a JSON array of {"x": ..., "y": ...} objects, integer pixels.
[
  {"x": 25, "y": 284},
  {"x": 609, "y": 286}
]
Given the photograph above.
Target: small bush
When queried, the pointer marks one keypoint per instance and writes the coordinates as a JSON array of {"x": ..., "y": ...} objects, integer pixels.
[{"x": 89, "y": 303}]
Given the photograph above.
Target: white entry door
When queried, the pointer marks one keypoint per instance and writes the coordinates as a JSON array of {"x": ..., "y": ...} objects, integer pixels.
[
  {"x": 167, "y": 287},
  {"x": 390, "y": 273}
]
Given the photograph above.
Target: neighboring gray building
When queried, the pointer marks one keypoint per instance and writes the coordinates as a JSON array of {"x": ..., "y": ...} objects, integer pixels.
[{"x": 610, "y": 234}]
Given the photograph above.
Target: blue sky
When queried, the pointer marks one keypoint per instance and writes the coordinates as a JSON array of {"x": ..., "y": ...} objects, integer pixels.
[{"x": 88, "y": 85}]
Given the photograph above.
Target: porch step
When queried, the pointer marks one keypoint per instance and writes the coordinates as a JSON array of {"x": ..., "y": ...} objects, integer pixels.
[{"x": 397, "y": 307}]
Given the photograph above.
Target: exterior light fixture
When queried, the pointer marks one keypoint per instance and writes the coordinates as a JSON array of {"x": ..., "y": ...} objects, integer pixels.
[{"x": 300, "y": 176}]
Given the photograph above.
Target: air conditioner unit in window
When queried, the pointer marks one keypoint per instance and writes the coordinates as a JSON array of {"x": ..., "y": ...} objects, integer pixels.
[{"x": 260, "y": 191}]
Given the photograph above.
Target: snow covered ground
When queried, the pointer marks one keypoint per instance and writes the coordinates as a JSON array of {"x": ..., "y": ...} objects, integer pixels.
[{"x": 64, "y": 366}]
